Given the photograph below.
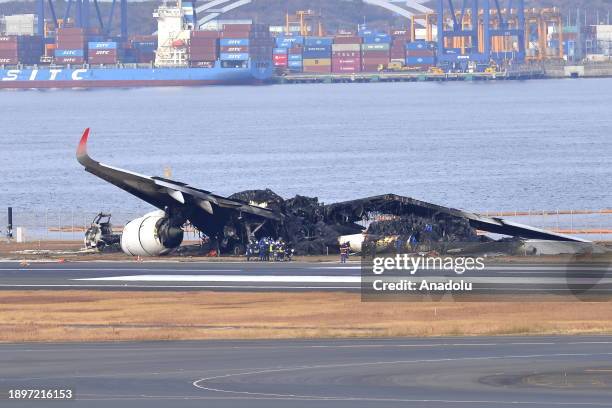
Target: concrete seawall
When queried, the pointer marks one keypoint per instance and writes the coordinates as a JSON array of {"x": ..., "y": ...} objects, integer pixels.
[{"x": 589, "y": 70}]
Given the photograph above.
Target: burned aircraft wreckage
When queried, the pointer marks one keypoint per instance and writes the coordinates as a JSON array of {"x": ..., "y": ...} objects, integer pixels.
[{"x": 309, "y": 226}]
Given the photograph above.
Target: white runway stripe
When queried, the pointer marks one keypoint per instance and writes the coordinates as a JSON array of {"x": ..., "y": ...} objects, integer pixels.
[{"x": 228, "y": 278}]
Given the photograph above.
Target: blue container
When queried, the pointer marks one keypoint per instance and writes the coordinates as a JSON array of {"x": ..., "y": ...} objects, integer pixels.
[
  {"x": 295, "y": 64},
  {"x": 318, "y": 41},
  {"x": 279, "y": 51},
  {"x": 69, "y": 53},
  {"x": 420, "y": 60},
  {"x": 102, "y": 45},
  {"x": 316, "y": 55},
  {"x": 295, "y": 57},
  {"x": 419, "y": 45},
  {"x": 234, "y": 56},
  {"x": 288, "y": 42},
  {"x": 452, "y": 51},
  {"x": 145, "y": 46},
  {"x": 234, "y": 42},
  {"x": 364, "y": 32},
  {"x": 376, "y": 38}
]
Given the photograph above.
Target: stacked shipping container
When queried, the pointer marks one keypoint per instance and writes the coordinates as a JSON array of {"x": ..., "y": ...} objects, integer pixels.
[
  {"x": 70, "y": 46},
  {"x": 294, "y": 46},
  {"x": 375, "y": 51},
  {"x": 420, "y": 54},
  {"x": 203, "y": 48},
  {"x": 261, "y": 44},
  {"x": 102, "y": 52},
  {"x": 317, "y": 55},
  {"x": 234, "y": 45},
  {"x": 280, "y": 57},
  {"x": 346, "y": 55},
  {"x": 397, "y": 52},
  {"x": 20, "y": 49}
]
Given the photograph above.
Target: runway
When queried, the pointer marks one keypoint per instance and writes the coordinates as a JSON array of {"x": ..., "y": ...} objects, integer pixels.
[
  {"x": 439, "y": 372},
  {"x": 286, "y": 276}
]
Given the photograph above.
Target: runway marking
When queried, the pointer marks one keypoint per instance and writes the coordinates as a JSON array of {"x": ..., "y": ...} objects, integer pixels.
[
  {"x": 229, "y": 278},
  {"x": 383, "y": 343},
  {"x": 197, "y": 383}
]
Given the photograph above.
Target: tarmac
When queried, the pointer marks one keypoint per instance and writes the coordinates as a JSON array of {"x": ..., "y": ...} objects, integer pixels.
[
  {"x": 289, "y": 276},
  {"x": 437, "y": 372}
]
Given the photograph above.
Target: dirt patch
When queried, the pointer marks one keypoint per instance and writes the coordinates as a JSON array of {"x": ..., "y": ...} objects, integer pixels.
[{"x": 102, "y": 316}]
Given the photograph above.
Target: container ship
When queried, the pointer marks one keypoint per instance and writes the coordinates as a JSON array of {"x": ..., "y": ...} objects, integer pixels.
[{"x": 179, "y": 55}]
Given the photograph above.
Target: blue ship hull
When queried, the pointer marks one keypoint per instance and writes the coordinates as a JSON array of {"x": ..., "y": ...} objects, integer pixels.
[{"x": 64, "y": 77}]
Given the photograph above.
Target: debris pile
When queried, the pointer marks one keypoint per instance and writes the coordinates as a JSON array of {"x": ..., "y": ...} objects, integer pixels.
[{"x": 311, "y": 227}]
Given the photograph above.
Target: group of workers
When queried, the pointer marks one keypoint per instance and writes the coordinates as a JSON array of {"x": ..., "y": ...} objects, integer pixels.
[{"x": 269, "y": 249}]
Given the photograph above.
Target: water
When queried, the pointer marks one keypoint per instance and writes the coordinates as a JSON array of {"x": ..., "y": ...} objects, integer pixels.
[{"x": 479, "y": 146}]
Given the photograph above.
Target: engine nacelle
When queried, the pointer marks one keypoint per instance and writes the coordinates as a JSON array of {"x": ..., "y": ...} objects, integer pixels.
[{"x": 151, "y": 235}]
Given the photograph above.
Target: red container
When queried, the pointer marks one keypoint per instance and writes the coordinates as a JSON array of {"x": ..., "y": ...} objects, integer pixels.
[
  {"x": 345, "y": 69},
  {"x": 420, "y": 53},
  {"x": 9, "y": 60},
  {"x": 204, "y": 34},
  {"x": 70, "y": 60},
  {"x": 234, "y": 49},
  {"x": 203, "y": 56},
  {"x": 102, "y": 60},
  {"x": 203, "y": 42},
  {"x": 70, "y": 45},
  {"x": 8, "y": 53},
  {"x": 7, "y": 46},
  {"x": 102, "y": 53},
  {"x": 346, "y": 61},
  {"x": 375, "y": 54},
  {"x": 237, "y": 27},
  {"x": 70, "y": 31},
  {"x": 348, "y": 40},
  {"x": 201, "y": 48},
  {"x": 346, "y": 54},
  {"x": 237, "y": 34}
]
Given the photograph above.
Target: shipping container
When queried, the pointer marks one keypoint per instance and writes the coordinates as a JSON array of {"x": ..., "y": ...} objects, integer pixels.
[
  {"x": 102, "y": 45},
  {"x": 204, "y": 34},
  {"x": 318, "y": 41},
  {"x": 420, "y": 61},
  {"x": 375, "y": 47},
  {"x": 294, "y": 57},
  {"x": 419, "y": 45},
  {"x": 279, "y": 50},
  {"x": 375, "y": 54},
  {"x": 295, "y": 64},
  {"x": 420, "y": 53},
  {"x": 346, "y": 47},
  {"x": 69, "y": 53},
  {"x": 234, "y": 56},
  {"x": 317, "y": 69},
  {"x": 287, "y": 42},
  {"x": 234, "y": 50},
  {"x": 234, "y": 42},
  {"x": 348, "y": 40},
  {"x": 377, "y": 39},
  {"x": 70, "y": 60},
  {"x": 308, "y": 62},
  {"x": 9, "y": 60}
]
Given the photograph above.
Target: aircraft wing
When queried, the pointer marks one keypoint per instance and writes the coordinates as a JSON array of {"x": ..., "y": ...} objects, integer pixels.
[{"x": 161, "y": 192}]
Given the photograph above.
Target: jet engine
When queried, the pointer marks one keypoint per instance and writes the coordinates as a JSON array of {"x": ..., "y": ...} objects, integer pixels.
[{"x": 153, "y": 234}]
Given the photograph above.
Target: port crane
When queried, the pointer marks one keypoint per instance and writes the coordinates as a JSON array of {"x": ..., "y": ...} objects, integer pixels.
[{"x": 81, "y": 11}]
